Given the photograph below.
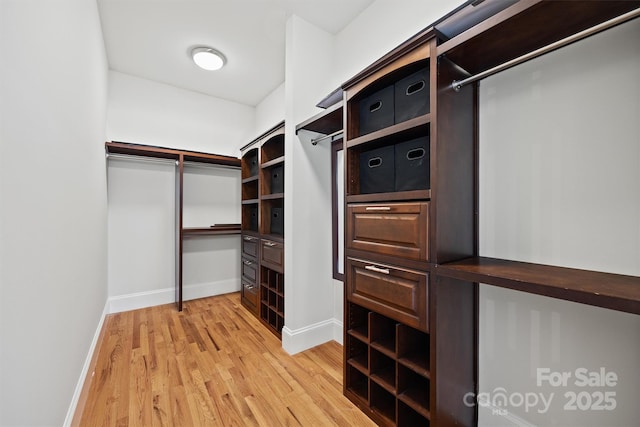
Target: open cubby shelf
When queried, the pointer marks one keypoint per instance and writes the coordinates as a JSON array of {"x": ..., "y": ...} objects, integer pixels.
[
  {"x": 377, "y": 371},
  {"x": 272, "y": 299}
]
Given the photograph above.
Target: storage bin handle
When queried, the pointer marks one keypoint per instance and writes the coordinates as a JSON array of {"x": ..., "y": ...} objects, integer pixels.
[
  {"x": 375, "y": 106},
  {"x": 375, "y": 162},
  {"x": 377, "y": 269},
  {"x": 416, "y": 153},
  {"x": 415, "y": 87}
]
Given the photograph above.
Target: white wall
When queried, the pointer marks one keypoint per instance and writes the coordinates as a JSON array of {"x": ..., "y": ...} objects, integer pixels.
[
  {"x": 269, "y": 112},
  {"x": 146, "y": 112},
  {"x": 560, "y": 184},
  {"x": 53, "y": 279},
  {"x": 308, "y": 282},
  {"x": 142, "y": 195},
  {"x": 318, "y": 63}
]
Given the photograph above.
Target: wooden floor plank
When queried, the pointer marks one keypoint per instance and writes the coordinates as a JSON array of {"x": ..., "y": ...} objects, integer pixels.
[{"x": 213, "y": 364}]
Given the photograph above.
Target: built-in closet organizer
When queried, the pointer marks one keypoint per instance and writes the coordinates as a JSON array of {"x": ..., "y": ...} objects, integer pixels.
[
  {"x": 409, "y": 205},
  {"x": 263, "y": 228},
  {"x": 183, "y": 158},
  {"x": 411, "y": 222}
]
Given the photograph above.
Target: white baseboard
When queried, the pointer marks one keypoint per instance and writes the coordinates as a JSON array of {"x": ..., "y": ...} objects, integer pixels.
[
  {"x": 338, "y": 331},
  {"x": 295, "y": 341},
  {"x": 138, "y": 300},
  {"x": 85, "y": 368}
]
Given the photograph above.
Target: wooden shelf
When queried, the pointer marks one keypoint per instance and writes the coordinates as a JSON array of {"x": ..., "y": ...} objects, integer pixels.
[
  {"x": 274, "y": 162},
  {"x": 406, "y": 130},
  {"x": 169, "y": 153},
  {"x": 325, "y": 122},
  {"x": 210, "y": 231},
  {"x": 389, "y": 197},
  {"x": 250, "y": 179},
  {"x": 613, "y": 291},
  {"x": 274, "y": 196},
  {"x": 524, "y": 27}
]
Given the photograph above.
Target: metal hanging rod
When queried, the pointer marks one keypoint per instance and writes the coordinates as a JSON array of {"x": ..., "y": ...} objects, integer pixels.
[
  {"x": 164, "y": 161},
  {"x": 141, "y": 158},
  {"x": 322, "y": 138},
  {"x": 458, "y": 84},
  {"x": 209, "y": 165}
]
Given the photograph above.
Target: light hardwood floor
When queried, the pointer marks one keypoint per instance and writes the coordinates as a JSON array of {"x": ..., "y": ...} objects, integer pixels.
[{"x": 214, "y": 364}]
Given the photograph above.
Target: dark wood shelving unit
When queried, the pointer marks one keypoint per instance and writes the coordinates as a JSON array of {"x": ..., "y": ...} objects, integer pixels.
[
  {"x": 326, "y": 122},
  {"x": 263, "y": 227},
  {"x": 181, "y": 156},
  {"x": 436, "y": 362}
]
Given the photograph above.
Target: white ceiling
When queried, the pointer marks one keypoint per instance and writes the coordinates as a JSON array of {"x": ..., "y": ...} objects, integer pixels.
[{"x": 152, "y": 39}]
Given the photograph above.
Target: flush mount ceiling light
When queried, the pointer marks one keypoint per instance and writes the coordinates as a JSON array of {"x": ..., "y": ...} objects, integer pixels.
[{"x": 208, "y": 58}]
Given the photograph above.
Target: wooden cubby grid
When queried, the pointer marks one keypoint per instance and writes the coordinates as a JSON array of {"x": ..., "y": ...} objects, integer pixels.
[
  {"x": 272, "y": 299},
  {"x": 387, "y": 366}
]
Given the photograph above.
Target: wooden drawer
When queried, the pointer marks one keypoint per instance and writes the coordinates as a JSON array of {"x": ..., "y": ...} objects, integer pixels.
[
  {"x": 250, "y": 246},
  {"x": 272, "y": 255},
  {"x": 396, "y": 229},
  {"x": 397, "y": 293},
  {"x": 250, "y": 293},
  {"x": 249, "y": 270}
]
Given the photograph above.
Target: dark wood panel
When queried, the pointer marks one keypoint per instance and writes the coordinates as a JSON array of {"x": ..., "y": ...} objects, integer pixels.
[
  {"x": 250, "y": 246},
  {"x": 250, "y": 269},
  {"x": 272, "y": 255},
  {"x": 211, "y": 231},
  {"x": 453, "y": 311},
  {"x": 169, "y": 153},
  {"x": 395, "y": 292},
  {"x": 527, "y": 26},
  {"x": 250, "y": 296},
  {"x": 613, "y": 291},
  {"x": 453, "y": 168},
  {"x": 397, "y": 229},
  {"x": 325, "y": 122}
]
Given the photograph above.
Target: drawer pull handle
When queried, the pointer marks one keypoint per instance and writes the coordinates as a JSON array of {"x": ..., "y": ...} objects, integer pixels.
[
  {"x": 249, "y": 287},
  {"x": 247, "y": 262},
  {"x": 270, "y": 244},
  {"x": 377, "y": 269},
  {"x": 378, "y": 208},
  {"x": 250, "y": 239}
]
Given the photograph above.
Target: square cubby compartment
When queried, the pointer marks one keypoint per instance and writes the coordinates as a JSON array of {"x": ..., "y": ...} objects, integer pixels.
[
  {"x": 413, "y": 349},
  {"x": 250, "y": 217},
  {"x": 413, "y": 389},
  {"x": 250, "y": 164},
  {"x": 383, "y": 370},
  {"x": 357, "y": 383},
  {"x": 376, "y": 111},
  {"x": 276, "y": 179},
  {"x": 358, "y": 321},
  {"x": 357, "y": 354},
  {"x": 383, "y": 402},
  {"x": 383, "y": 334},
  {"x": 409, "y": 417}
]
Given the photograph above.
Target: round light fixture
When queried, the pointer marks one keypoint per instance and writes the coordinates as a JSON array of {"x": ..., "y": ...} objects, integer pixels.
[{"x": 208, "y": 58}]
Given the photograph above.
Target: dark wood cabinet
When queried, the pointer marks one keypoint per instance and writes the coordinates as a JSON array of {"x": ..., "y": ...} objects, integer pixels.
[
  {"x": 263, "y": 227},
  {"x": 395, "y": 229},
  {"x": 411, "y": 189},
  {"x": 398, "y": 293}
]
